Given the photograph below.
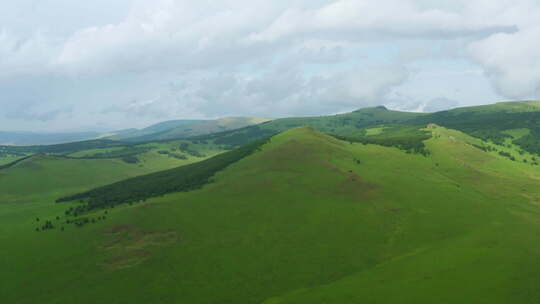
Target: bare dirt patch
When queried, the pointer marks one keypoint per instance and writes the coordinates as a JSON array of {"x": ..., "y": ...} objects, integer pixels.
[
  {"x": 353, "y": 185},
  {"x": 128, "y": 246}
]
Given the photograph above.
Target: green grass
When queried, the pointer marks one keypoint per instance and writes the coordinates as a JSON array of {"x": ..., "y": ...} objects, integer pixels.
[
  {"x": 183, "y": 178},
  {"x": 517, "y": 133},
  {"x": 9, "y": 158},
  {"x": 374, "y": 131},
  {"x": 92, "y": 152},
  {"x": 309, "y": 219}
]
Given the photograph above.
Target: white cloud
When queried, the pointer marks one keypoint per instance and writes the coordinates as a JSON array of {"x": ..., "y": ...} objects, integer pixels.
[
  {"x": 289, "y": 92},
  {"x": 163, "y": 34},
  {"x": 364, "y": 19},
  {"x": 512, "y": 62},
  {"x": 24, "y": 55},
  {"x": 256, "y": 57}
]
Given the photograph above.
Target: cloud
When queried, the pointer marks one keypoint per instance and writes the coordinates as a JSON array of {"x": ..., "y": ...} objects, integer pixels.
[
  {"x": 287, "y": 91},
  {"x": 31, "y": 112},
  {"x": 512, "y": 62},
  {"x": 144, "y": 61},
  {"x": 364, "y": 19},
  {"x": 168, "y": 34},
  {"x": 24, "y": 55}
]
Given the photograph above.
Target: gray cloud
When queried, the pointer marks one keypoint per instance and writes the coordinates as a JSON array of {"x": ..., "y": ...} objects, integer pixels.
[{"x": 33, "y": 111}]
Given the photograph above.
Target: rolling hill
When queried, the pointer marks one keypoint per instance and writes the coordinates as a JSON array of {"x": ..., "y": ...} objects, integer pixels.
[
  {"x": 304, "y": 217},
  {"x": 517, "y": 122},
  {"x": 186, "y": 128},
  {"x": 173, "y": 129},
  {"x": 176, "y": 151}
]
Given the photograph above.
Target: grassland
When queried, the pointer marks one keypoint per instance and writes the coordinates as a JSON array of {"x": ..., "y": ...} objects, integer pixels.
[
  {"x": 159, "y": 154},
  {"x": 9, "y": 158},
  {"x": 308, "y": 219}
]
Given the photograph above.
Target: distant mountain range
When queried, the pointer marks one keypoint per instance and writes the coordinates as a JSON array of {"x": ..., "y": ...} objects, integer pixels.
[
  {"x": 164, "y": 130},
  {"x": 31, "y": 138},
  {"x": 185, "y": 128}
]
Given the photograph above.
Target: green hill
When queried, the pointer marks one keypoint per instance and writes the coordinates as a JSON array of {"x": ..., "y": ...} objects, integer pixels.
[
  {"x": 340, "y": 124},
  {"x": 306, "y": 218},
  {"x": 156, "y": 128},
  {"x": 171, "y": 152},
  {"x": 501, "y": 123}
]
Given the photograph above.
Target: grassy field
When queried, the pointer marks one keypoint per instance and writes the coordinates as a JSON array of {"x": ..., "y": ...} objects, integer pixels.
[
  {"x": 8, "y": 158},
  {"x": 308, "y": 219}
]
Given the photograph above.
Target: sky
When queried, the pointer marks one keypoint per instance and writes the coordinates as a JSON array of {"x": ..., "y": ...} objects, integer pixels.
[{"x": 68, "y": 65}]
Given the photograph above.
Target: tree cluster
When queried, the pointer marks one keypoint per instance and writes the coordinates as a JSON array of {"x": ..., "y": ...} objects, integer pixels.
[
  {"x": 490, "y": 126},
  {"x": 406, "y": 138},
  {"x": 184, "y": 178}
]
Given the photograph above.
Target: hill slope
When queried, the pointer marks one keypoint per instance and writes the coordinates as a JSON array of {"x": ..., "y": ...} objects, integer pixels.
[{"x": 308, "y": 219}]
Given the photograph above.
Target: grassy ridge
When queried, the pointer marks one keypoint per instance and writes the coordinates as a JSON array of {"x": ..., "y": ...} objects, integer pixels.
[
  {"x": 185, "y": 178},
  {"x": 341, "y": 124},
  {"x": 13, "y": 163},
  {"x": 491, "y": 122},
  {"x": 196, "y": 175},
  {"x": 174, "y": 152},
  {"x": 408, "y": 138}
]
